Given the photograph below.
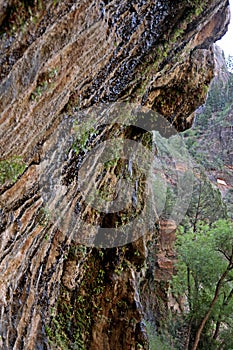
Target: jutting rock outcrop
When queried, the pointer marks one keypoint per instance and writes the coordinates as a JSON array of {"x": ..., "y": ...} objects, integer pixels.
[{"x": 58, "y": 58}]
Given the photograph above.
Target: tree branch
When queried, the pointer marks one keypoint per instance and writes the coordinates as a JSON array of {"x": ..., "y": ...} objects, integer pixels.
[
  {"x": 207, "y": 315},
  {"x": 224, "y": 253}
]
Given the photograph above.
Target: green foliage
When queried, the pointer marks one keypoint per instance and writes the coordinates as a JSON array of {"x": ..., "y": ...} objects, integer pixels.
[
  {"x": 228, "y": 199},
  {"x": 74, "y": 312},
  {"x": 203, "y": 284},
  {"x": 197, "y": 250},
  {"x": 43, "y": 217},
  {"x": 45, "y": 83},
  {"x": 177, "y": 34},
  {"x": 204, "y": 256},
  {"x": 206, "y": 203},
  {"x": 68, "y": 323},
  {"x": 11, "y": 169},
  {"x": 210, "y": 144},
  {"x": 84, "y": 132},
  {"x": 171, "y": 197},
  {"x": 159, "y": 341},
  {"x": 19, "y": 14},
  {"x": 204, "y": 140},
  {"x": 111, "y": 163}
]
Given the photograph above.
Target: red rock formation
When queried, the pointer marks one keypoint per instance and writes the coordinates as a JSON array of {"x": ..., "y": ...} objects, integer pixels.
[{"x": 57, "y": 58}]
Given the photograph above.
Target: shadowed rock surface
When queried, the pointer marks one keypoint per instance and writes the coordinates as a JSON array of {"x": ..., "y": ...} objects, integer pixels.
[{"x": 57, "y": 59}]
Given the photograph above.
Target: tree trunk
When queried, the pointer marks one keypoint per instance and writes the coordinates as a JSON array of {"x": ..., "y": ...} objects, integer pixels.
[
  {"x": 187, "y": 342},
  {"x": 218, "y": 324},
  {"x": 207, "y": 315}
]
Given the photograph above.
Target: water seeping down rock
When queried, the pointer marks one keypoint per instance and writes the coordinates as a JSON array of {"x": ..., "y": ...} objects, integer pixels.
[{"x": 57, "y": 58}]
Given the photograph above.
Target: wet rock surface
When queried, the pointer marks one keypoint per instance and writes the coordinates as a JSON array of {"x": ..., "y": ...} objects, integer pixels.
[{"x": 58, "y": 58}]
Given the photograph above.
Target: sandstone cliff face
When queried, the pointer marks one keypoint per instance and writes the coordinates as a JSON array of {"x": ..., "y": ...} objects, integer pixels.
[{"x": 58, "y": 58}]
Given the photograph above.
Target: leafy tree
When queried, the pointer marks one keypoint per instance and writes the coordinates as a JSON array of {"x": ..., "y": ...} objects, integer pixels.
[
  {"x": 203, "y": 284},
  {"x": 205, "y": 277},
  {"x": 206, "y": 203},
  {"x": 229, "y": 202},
  {"x": 159, "y": 341}
]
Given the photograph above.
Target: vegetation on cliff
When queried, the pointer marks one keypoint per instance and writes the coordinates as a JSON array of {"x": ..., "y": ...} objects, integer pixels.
[
  {"x": 58, "y": 58},
  {"x": 209, "y": 141},
  {"x": 203, "y": 282}
]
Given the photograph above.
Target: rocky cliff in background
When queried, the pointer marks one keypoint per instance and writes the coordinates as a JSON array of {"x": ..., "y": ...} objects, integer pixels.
[
  {"x": 210, "y": 139},
  {"x": 57, "y": 58}
]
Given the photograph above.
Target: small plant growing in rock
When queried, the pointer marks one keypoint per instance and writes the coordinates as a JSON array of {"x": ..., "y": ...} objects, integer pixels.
[
  {"x": 83, "y": 133},
  {"x": 45, "y": 82},
  {"x": 11, "y": 169}
]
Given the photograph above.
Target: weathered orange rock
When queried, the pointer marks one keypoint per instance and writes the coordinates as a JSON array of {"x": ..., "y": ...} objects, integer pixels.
[{"x": 57, "y": 58}]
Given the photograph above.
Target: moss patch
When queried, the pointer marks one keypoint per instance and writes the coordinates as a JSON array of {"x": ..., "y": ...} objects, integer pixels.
[
  {"x": 72, "y": 317},
  {"x": 11, "y": 169}
]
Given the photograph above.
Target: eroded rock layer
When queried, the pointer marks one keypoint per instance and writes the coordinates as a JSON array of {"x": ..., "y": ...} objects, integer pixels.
[{"x": 56, "y": 59}]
